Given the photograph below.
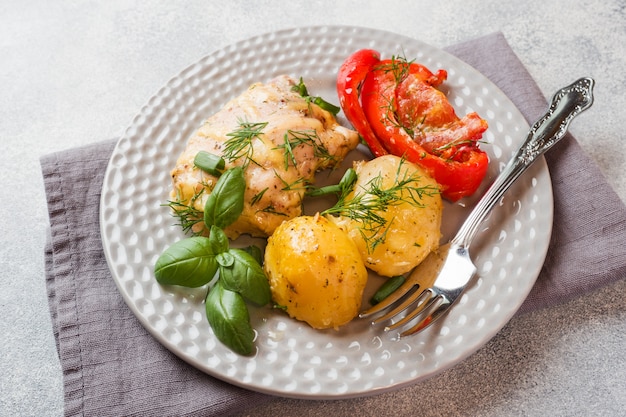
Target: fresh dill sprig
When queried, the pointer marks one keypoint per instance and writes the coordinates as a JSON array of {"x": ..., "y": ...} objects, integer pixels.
[
  {"x": 365, "y": 209},
  {"x": 258, "y": 196},
  {"x": 456, "y": 148},
  {"x": 294, "y": 138},
  {"x": 449, "y": 145},
  {"x": 188, "y": 216},
  {"x": 270, "y": 209},
  {"x": 391, "y": 116},
  {"x": 399, "y": 66},
  {"x": 239, "y": 142},
  {"x": 299, "y": 184},
  {"x": 403, "y": 189}
]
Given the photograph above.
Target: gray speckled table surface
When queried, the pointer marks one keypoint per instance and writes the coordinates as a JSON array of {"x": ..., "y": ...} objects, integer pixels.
[{"x": 76, "y": 72}]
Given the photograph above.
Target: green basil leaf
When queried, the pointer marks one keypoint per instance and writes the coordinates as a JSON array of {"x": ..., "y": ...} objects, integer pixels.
[
  {"x": 229, "y": 318},
  {"x": 189, "y": 262},
  {"x": 218, "y": 240},
  {"x": 246, "y": 277},
  {"x": 256, "y": 253},
  {"x": 225, "y": 259},
  {"x": 225, "y": 203}
]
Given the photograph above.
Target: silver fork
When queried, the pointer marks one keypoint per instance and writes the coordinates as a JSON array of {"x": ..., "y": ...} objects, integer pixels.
[{"x": 445, "y": 273}]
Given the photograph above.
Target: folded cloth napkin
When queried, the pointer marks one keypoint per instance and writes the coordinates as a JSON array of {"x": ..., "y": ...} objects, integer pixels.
[{"x": 112, "y": 366}]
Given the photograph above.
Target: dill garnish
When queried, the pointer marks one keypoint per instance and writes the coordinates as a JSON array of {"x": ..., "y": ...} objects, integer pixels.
[
  {"x": 299, "y": 184},
  {"x": 399, "y": 66},
  {"x": 270, "y": 209},
  {"x": 369, "y": 204},
  {"x": 295, "y": 138},
  {"x": 450, "y": 151},
  {"x": 258, "y": 196},
  {"x": 239, "y": 142},
  {"x": 187, "y": 215}
]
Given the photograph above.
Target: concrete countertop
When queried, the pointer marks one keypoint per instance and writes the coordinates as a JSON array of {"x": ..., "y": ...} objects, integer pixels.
[{"x": 76, "y": 72}]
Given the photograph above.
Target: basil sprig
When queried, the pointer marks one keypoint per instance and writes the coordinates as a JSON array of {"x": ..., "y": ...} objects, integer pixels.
[
  {"x": 189, "y": 262},
  {"x": 195, "y": 261},
  {"x": 228, "y": 315},
  {"x": 245, "y": 276}
]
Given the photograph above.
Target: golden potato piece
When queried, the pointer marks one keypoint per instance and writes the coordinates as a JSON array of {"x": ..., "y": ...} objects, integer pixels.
[
  {"x": 315, "y": 272},
  {"x": 412, "y": 218}
]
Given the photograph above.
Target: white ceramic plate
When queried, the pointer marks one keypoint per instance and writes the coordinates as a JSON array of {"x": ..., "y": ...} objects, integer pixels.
[{"x": 292, "y": 359}]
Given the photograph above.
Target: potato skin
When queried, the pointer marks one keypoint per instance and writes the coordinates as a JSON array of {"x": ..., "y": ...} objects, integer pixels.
[
  {"x": 315, "y": 272},
  {"x": 413, "y": 232}
]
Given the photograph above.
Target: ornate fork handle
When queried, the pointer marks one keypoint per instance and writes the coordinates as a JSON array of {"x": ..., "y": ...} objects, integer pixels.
[{"x": 566, "y": 104}]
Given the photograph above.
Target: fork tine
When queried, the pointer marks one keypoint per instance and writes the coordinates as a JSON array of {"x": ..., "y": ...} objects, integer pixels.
[
  {"x": 422, "y": 276},
  {"x": 434, "y": 309},
  {"x": 391, "y": 298},
  {"x": 416, "y": 299}
]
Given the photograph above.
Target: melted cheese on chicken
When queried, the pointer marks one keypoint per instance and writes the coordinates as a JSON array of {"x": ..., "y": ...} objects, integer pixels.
[{"x": 295, "y": 139}]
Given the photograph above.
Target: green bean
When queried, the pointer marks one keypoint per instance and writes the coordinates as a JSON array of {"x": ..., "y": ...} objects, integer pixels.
[
  {"x": 209, "y": 163},
  {"x": 387, "y": 288}
]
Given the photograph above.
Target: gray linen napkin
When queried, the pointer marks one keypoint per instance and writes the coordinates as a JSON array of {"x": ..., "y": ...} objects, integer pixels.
[{"x": 112, "y": 366}]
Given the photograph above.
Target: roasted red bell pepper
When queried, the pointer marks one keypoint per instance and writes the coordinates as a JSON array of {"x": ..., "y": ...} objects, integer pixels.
[
  {"x": 349, "y": 80},
  {"x": 411, "y": 118}
]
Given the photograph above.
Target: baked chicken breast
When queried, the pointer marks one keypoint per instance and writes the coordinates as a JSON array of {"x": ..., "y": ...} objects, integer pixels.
[{"x": 280, "y": 139}]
